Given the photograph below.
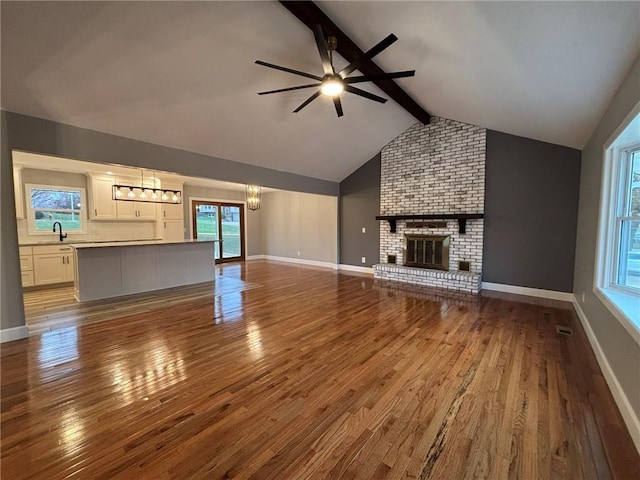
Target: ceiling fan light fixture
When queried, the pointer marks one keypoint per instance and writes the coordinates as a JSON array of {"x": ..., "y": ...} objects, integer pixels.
[{"x": 332, "y": 87}]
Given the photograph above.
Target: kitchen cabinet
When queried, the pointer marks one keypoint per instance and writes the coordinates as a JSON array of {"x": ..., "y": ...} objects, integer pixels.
[
  {"x": 19, "y": 192},
  {"x": 172, "y": 230},
  {"x": 136, "y": 211},
  {"x": 101, "y": 203},
  {"x": 104, "y": 207},
  {"x": 172, "y": 211},
  {"x": 146, "y": 210},
  {"x": 53, "y": 264},
  {"x": 26, "y": 266}
]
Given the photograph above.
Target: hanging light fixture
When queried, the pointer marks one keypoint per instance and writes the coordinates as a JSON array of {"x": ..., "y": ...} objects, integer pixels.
[
  {"x": 253, "y": 197},
  {"x": 130, "y": 193}
]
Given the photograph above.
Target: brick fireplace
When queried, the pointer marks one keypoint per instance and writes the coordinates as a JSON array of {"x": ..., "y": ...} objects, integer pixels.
[{"x": 435, "y": 169}]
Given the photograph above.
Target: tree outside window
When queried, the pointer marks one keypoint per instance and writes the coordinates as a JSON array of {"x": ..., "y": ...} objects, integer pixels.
[{"x": 48, "y": 205}]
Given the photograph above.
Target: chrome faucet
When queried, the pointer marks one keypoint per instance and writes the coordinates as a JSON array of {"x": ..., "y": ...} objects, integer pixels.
[{"x": 62, "y": 237}]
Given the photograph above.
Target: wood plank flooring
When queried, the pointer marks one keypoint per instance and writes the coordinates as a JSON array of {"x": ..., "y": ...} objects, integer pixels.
[{"x": 293, "y": 372}]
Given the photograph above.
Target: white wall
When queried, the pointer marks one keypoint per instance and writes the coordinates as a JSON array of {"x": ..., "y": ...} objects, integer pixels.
[{"x": 295, "y": 222}]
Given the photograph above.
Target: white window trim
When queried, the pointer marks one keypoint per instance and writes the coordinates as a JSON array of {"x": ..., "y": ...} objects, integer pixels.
[
  {"x": 623, "y": 303},
  {"x": 31, "y": 222}
]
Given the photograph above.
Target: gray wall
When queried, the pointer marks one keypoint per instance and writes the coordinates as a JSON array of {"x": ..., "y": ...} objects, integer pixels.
[
  {"x": 620, "y": 349},
  {"x": 11, "y": 304},
  {"x": 252, "y": 219},
  {"x": 531, "y": 211},
  {"x": 359, "y": 205},
  {"x": 300, "y": 225},
  {"x": 51, "y": 138}
]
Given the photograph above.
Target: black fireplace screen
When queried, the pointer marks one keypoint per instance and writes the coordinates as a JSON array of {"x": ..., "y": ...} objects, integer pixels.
[{"x": 426, "y": 251}]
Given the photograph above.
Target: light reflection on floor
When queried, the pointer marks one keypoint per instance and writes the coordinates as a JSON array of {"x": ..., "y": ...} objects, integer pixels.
[
  {"x": 157, "y": 369},
  {"x": 228, "y": 308},
  {"x": 71, "y": 429},
  {"x": 254, "y": 341},
  {"x": 59, "y": 346}
]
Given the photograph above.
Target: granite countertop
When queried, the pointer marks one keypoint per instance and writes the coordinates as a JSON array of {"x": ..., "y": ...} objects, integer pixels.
[{"x": 135, "y": 243}]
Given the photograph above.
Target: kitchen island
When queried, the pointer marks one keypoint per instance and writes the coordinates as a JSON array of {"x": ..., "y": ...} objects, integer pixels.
[{"x": 114, "y": 269}]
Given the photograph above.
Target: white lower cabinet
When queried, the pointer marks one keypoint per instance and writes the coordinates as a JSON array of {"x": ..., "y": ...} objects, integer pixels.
[
  {"x": 53, "y": 264},
  {"x": 26, "y": 266}
]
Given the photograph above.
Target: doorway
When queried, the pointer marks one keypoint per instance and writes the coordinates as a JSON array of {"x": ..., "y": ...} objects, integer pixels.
[{"x": 220, "y": 221}]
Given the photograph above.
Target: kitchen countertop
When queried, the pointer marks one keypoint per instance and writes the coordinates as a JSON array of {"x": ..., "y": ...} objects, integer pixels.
[
  {"x": 73, "y": 242},
  {"x": 135, "y": 243}
]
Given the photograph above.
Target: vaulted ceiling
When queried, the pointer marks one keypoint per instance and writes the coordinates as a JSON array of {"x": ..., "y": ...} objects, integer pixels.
[{"x": 182, "y": 74}]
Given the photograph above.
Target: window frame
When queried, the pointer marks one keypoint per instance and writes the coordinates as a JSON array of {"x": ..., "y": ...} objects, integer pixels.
[
  {"x": 30, "y": 211},
  {"x": 622, "y": 183},
  {"x": 620, "y": 300}
]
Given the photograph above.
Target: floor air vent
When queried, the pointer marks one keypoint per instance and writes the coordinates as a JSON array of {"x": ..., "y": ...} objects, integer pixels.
[{"x": 562, "y": 330}]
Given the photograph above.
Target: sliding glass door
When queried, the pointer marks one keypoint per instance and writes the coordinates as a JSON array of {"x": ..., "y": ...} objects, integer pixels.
[{"x": 220, "y": 220}]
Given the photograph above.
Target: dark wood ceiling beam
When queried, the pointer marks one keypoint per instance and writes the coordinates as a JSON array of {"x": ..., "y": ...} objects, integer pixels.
[{"x": 310, "y": 14}]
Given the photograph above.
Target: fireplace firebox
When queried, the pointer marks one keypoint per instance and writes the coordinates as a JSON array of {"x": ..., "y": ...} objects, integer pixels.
[{"x": 427, "y": 251}]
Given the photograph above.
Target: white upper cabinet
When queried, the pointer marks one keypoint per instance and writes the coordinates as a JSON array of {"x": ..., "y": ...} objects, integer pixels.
[
  {"x": 104, "y": 207},
  {"x": 101, "y": 203},
  {"x": 146, "y": 210},
  {"x": 172, "y": 211}
]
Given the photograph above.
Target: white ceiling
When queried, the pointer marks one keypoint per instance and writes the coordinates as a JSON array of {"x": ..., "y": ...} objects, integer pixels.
[{"x": 181, "y": 74}]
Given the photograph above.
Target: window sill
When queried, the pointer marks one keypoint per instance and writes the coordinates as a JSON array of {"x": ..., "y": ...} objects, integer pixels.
[{"x": 624, "y": 306}]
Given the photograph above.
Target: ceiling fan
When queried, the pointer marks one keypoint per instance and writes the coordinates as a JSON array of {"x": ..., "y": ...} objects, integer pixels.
[{"x": 333, "y": 83}]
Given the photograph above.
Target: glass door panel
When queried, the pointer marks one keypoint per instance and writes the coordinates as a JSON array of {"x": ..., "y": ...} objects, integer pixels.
[
  {"x": 231, "y": 228},
  {"x": 217, "y": 220},
  {"x": 205, "y": 223}
]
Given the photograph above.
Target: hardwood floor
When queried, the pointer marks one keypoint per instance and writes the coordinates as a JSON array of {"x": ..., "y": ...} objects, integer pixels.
[{"x": 288, "y": 372}]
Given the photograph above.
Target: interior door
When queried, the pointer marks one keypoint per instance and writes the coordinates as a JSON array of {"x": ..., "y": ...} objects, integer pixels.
[{"x": 220, "y": 220}]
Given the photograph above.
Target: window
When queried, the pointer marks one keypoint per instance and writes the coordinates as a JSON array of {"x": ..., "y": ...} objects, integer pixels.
[
  {"x": 48, "y": 204},
  {"x": 626, "y": 272},
  {"x": 617, "y": 280}
]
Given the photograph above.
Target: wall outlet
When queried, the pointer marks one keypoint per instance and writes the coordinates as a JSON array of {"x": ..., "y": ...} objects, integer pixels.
[
  {"x": 364, "y": 259},
  {"x": 298, "y": 252},
  {"x": 364, "y": 230}
]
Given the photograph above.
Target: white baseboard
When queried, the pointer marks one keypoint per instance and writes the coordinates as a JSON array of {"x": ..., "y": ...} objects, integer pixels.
[
  {"x": 301, "y": 261},
  {"x": 15, "y": 333},
  {"x": 355, "y": 268},
  {"x": 531, "y": 292},
  {"x": 255, "y": 257},
  {"x": 628, "y": 415}
]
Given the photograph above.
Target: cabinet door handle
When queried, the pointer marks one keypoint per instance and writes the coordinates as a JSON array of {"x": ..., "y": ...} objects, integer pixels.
[
  {"x": 165, "y": 224},
  {"x": 95, "y": 210},
  {"x": 164, "y": 213}
]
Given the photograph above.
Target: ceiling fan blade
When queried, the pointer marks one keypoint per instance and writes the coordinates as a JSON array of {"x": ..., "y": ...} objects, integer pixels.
[
  {"x": 364, "y": 94},
  {"x": 372, "y": 52},
  {"x": 299, "y": 87},
  {"x": 338, "y": 105},
  {"x": 323, "y": 49},
  {"x": 289, "y": 70},
  {"x": 386, "y": 76},
  {"x": 307, "y": 101}
]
